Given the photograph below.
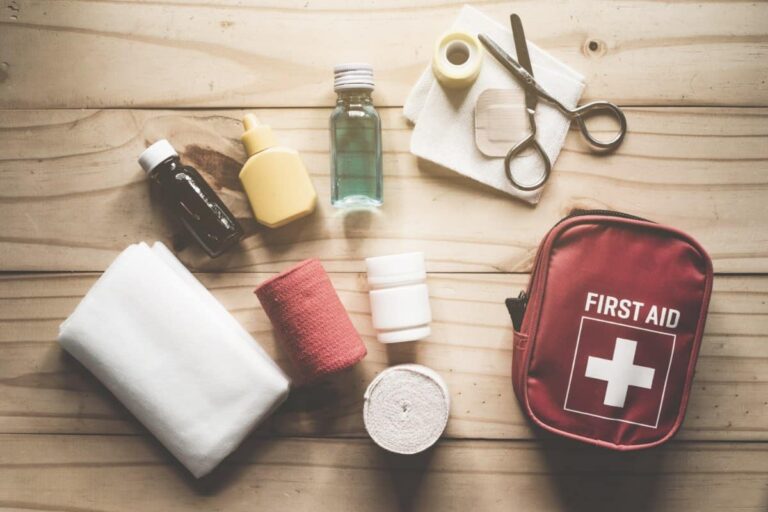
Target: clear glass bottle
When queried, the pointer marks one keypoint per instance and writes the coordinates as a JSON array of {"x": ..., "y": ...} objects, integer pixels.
[{"x": 356, "y": 176}]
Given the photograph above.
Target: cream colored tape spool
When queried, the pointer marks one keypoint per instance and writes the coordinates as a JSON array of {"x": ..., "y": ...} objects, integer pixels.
[
  {"x": 406, "y": 408},
  {"x": 457, "y": 60}
]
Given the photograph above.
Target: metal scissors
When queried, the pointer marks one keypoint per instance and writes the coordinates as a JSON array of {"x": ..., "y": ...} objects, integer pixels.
[{"x": 523, "y": 71}]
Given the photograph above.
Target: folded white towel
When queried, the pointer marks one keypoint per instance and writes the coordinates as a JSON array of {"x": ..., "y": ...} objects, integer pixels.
[
  {"x": 173, "y": 355},
  {"x": 444, "y": 132}
]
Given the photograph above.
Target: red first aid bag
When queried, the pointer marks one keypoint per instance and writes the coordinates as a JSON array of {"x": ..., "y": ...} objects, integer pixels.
[{"x": 607, "y": 335}]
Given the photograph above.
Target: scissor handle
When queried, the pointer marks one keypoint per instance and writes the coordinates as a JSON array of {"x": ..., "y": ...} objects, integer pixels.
[
  {"x": 600, "y": 108},
  {"x": 530, "y": 141}
]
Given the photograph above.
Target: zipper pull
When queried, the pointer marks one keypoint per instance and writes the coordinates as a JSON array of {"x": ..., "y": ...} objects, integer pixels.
[{"x": 516, "y": 308}]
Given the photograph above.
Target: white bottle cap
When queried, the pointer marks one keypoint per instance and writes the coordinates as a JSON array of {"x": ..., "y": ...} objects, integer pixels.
[
  {"x": 354, "y": 75},
  {"x": 396, "y": 269},
  {"x": 155, "y": 154}
]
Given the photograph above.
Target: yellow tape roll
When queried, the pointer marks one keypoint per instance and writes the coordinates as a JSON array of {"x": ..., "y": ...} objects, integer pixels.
[{"x": 457, "y": 60}]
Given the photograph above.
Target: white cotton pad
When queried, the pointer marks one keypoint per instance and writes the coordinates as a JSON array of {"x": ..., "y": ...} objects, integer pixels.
[
  {"x": 406, "y": 408},
  {"x": 163, "y": 345}
]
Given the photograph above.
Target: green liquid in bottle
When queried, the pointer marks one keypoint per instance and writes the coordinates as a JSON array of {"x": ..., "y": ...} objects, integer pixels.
[{"x": 356, "y": 177}]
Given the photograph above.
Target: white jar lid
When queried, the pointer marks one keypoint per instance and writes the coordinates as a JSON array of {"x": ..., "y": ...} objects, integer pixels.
[
  {"x": 396, "y": 269},
  {"x": 155, "y": 154}
]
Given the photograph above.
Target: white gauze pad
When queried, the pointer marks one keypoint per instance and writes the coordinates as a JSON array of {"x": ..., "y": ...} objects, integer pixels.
[{"x": 163, "y": 345}]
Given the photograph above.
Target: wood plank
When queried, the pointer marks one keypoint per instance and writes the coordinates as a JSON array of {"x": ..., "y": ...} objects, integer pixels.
[
  {"x": 72, "y": 473},
  {"x": 81, "y": 53},
  {"x": 72, "y": 195},
  {"x": 42, "y": 390}
]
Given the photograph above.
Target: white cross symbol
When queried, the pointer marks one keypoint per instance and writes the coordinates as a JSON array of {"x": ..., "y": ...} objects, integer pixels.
[{"x": 620, "y": 373}]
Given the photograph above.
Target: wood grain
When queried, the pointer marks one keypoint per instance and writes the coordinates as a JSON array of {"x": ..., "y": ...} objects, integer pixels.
[
  {"x": 43, "y": 390},
  {"x": 72, "y": 473},
  {"x": 112, "y": 53},
  {"x": 72, "y": 195}
]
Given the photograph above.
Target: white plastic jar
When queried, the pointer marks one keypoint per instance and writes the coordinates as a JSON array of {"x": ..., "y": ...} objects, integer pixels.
[{"x": 399, "y": 297}]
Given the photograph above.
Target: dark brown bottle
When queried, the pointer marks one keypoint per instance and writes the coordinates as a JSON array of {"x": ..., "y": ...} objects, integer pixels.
[{"x": 189, "y": 197}]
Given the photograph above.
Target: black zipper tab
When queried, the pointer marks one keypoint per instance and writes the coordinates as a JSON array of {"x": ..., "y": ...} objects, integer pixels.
[{"x": 516, "y": 308}]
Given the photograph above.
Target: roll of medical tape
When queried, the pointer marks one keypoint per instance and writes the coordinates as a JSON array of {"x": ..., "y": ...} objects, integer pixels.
[
  {"x": 406, "y": 408},
  {"x": 457, "y": 60}
]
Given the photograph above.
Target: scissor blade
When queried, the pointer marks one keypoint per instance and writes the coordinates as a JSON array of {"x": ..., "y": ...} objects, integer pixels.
[
  {"x": 504, "y": 58},
  {"x": 521, "y": 47}
]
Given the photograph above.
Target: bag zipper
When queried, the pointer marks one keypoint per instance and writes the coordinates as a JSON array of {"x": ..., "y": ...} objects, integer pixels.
[
  {"x": 607, "y": 213},
  {"x": 518, "y": 305}
]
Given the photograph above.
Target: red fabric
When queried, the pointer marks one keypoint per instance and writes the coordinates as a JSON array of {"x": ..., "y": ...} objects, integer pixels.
[
  {"x": 316, "y": 330},
  {"x": 564, "y": 327}
]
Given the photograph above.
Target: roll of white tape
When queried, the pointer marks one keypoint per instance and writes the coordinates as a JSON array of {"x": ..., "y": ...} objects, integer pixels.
[
  {"x": 457, "y": 60},
  {"x": 406, "y": 408}
]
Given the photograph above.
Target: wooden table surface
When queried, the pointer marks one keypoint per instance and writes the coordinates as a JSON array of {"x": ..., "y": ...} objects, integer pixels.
[{"x": 86, "y": 85}]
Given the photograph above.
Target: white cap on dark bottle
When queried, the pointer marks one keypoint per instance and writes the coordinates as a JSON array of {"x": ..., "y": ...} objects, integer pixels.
[{"x": 156, "y": 154}]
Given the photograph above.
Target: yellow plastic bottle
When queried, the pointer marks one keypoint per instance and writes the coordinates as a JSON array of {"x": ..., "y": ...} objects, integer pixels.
[{"x": 274, "y": 177}]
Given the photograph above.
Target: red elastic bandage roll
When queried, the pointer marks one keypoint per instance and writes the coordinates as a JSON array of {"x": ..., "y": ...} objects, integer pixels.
[{"x": 303, "y": 306}]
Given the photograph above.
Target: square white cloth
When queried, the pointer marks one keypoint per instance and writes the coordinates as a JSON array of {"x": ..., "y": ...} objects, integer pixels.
[
  {"x": 444, "y": 132},
  {"x": 174, "y": 356}
]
